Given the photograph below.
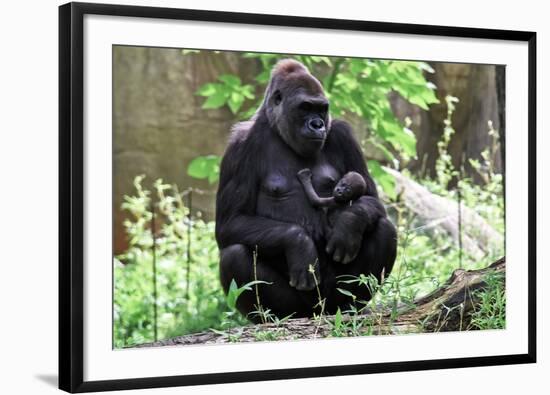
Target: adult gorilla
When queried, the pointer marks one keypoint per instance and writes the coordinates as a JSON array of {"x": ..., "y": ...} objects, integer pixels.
[{"x": 261, "y": 204}]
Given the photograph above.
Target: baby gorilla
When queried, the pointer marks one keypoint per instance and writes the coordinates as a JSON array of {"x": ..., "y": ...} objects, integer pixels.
[{"x": 350, "y": 187}]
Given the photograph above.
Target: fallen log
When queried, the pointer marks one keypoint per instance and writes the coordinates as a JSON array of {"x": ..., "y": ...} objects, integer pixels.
[
  {"x": 448, "y": 308},
  {"x": 478, "y": 237}
]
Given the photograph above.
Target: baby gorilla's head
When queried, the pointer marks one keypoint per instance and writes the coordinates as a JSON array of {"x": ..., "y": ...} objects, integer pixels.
[{"x": 350, "y": 187}]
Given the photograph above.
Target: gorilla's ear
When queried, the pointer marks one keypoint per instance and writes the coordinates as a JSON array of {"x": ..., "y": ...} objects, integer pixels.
[{"x": 277, "y": 97}]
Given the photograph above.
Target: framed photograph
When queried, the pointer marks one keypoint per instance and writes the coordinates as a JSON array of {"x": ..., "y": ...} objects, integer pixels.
[{"x": 250, "y": 197}]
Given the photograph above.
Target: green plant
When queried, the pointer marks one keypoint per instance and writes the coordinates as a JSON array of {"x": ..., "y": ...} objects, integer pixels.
[
  {"x": 205, "y": 167},
  {"x": 232, "y": 317},
  {"x": 490, "y": 313},
  {"x": 338, "y": 326},
  {"x": 444, "y": 166},
  {"x": 228, "y": 92},
  {"x": 426, "y": 258},
  {"x": 270, "y": 335},
  {"x": 486, "y": 198},
  {"x": 190, "y": 297}
]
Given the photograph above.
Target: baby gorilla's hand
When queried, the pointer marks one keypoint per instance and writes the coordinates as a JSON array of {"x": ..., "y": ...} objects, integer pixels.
[
  {"x": 345, "y": 239},
  {"x": 304, "y": 174}
]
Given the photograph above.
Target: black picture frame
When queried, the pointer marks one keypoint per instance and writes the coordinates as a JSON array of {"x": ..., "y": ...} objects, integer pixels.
[{"x": 71, "y": 198}]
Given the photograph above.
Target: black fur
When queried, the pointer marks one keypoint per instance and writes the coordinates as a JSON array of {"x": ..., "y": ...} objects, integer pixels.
[{"x": 262, "y": 205}]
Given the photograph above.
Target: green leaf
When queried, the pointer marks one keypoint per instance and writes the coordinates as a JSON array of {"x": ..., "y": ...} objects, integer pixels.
[
  {"x": 248, "y": 92},
  {"x": 338, "y": 319},
  {"x": 386, "y": 180},
  {"x": 216, "y": 100},
  {"x": 346, "y": 292},
  {"x": 263, "y": 77},
  {"x": 407, "y": 141},
  {"x": 235, "y": 102},
  {"x": 205, "y": 167},
  {"x": 213, "y": 176},
  {"x": 230, "y": 92},
  {"x": 400, "y": 137},
  {"x": 234, "y": 292},
  {"x": 230, "y": 80},
  {"x": 207, "y": 89}
]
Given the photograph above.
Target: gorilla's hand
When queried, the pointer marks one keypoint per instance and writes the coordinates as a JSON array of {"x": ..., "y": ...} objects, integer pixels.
[
  {"x": 304, "y": 175},
  {"x": 345, "y": 239},
  {"x": 301, "y": 254}
]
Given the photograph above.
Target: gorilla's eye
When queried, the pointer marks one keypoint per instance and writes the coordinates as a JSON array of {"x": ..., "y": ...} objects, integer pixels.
[
  {"x": 277, "y": 97},
  {"x": 306, "y": 106}
]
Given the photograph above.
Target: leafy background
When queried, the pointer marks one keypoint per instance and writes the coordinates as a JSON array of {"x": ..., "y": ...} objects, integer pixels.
[{"x": 172, "y": 287}]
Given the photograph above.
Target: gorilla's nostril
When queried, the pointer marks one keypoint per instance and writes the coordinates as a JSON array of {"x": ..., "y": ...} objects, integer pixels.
[{"x": 316, "y": 124}]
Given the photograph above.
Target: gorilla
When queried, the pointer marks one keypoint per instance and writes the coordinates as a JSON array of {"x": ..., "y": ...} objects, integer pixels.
[
  {"x": 349, "y": 188},
  {"x": 262, "y": 207}
]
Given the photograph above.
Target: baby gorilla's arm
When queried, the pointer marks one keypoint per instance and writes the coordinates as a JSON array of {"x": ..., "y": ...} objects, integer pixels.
[{"x": 304, "y": 176}]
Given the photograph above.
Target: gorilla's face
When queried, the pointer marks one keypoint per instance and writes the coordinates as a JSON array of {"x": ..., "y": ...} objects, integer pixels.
[
  {"x": 343, "y": 192},
  {"x": 300, "y": 113},
  {"x": 349, "y": 188}
]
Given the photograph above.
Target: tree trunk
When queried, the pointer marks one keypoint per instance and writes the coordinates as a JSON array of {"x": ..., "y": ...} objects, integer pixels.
[
  {"x": 449, "y": 308},
  {"x": 476, "y": 87}
]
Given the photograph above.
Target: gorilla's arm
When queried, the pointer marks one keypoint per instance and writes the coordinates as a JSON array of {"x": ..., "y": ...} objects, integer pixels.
[
  {"x": 304, "y": 176},
  {"x": 236, "y": 222},
  {"x": 364, "y": 214}
]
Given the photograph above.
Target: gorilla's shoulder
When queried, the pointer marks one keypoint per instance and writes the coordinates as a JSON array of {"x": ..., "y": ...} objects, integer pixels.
[
  {"x": 240, "y": 132},
  {"x": 340, "y": 131}
]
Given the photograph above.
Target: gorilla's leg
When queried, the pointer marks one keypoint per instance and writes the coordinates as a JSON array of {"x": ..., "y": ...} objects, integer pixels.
[
  {"x": 236, "y": 263},
  {"x": 376, "y": 256}
]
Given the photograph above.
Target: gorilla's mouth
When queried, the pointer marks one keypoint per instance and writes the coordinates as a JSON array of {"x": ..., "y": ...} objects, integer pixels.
[{"x": 314, "y": 136}]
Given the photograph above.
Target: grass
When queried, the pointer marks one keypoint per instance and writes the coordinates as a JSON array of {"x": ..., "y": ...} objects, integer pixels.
[{"x": 490, "y": 313}]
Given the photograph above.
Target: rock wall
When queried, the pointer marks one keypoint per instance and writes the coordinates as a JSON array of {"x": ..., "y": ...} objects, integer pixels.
[{"x": 158, "y": 123}]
